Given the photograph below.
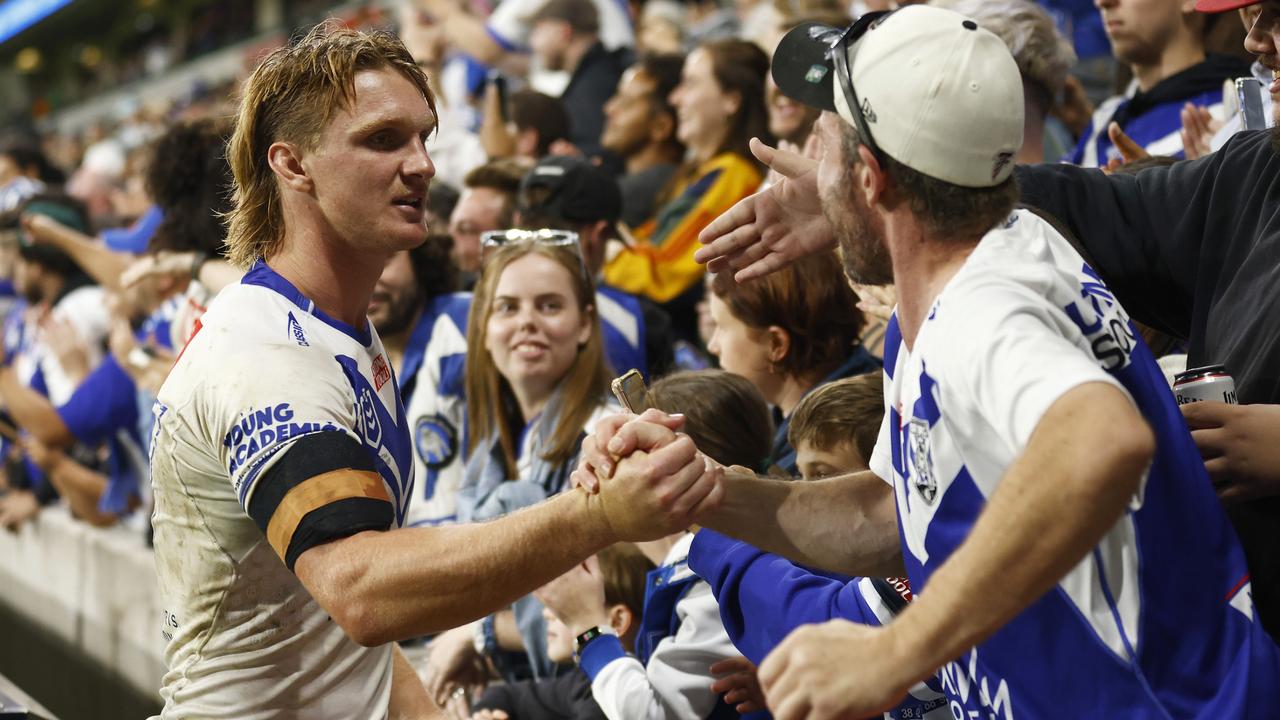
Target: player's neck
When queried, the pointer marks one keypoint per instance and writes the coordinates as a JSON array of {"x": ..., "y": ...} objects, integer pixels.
[
  {"x": 338, "y": 279},
  {"x": 922, "y": 267}
]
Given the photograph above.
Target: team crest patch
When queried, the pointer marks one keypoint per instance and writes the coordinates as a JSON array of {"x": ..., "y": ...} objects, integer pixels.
[
  {"x": 815, "y": 74},
  {"x": 381, "y": 373},
  {"x": 922, "y": 461},
  {"x": 436, "y": 441},
  {"x": 367, "y": 417}
]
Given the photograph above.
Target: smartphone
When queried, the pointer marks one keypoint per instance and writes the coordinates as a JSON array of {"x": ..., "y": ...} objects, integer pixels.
[
  {"x": 1249, "y": 94},
  {"x": 499, "y": 82},
  {"x": 631, "y": 392}
]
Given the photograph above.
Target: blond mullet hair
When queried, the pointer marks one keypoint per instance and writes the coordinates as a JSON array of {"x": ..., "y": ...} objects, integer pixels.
[{"x": 291, "y": 96}]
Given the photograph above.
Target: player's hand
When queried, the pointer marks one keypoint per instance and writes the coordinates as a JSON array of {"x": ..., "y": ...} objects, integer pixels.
[
  {"x": 487, "y": 714},
  {"x": 1240, "y": 445},
  {"x": 737, "y": 680},
  {"x": 811, "y": 674},
  {"x": 577, "y": 597},
  {"x": 602, "y": 449},
  {"x": 452, "y": 665},
  {"x": 1198, "y": 128},
  {"x": 773, "y": 227},
  {"x": 654, "y": 494},
  {"x": 17, "y": 508}
]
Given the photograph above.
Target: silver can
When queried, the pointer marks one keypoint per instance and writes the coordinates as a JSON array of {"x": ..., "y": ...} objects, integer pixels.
[{"x": 1211, "y": 382}]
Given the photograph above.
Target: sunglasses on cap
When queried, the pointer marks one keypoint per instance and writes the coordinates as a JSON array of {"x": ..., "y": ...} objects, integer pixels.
[{"x": 840, "y": 58}]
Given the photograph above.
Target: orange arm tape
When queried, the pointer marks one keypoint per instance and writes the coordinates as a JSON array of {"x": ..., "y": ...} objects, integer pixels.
[{"x": 317, "y": 492}]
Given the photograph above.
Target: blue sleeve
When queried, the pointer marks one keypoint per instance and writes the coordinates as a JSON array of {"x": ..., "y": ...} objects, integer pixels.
[
  {"x": 763, "y": 597},
  {"x": 105, "y": 402}
]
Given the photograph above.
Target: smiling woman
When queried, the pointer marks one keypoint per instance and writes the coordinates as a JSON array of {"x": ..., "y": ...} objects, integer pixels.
[{"x": 536, "y": 383}]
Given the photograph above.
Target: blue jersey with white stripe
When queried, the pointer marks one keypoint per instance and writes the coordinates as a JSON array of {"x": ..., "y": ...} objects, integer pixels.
[{"x": 1157, "y": 620}]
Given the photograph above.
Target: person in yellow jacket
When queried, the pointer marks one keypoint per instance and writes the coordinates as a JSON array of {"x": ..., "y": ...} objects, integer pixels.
[{"x": 719, "y": 108}]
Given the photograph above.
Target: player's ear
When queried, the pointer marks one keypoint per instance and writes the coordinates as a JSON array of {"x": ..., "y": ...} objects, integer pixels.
[{"x": 285, "y": 159}]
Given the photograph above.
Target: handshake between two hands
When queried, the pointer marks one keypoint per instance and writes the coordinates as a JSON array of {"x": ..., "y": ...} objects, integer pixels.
[{"x": 650, "y": 479}]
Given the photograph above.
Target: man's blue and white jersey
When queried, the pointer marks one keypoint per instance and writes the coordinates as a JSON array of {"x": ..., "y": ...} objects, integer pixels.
[
  {"x": 263, "y": 369},
  {"x": 438, "y": 410},
  {"x": 1157, "y": 621}
]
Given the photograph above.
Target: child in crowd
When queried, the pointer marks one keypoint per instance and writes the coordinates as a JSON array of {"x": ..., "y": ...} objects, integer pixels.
[
  {"x": 622, "y": 569},
  {"x": 763, "y": 597},
  {"x": 834, "y": 428},
  {"x": 681, "y": 635}
]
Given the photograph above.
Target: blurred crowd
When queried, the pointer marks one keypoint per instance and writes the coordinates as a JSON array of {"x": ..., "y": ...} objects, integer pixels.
[{"x": 610, "y": 134}]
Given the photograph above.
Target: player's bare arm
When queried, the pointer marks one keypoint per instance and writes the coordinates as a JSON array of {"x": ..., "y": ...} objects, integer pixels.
[
  {"x": 430, "y": 579},
  {"x": 845, "y": 524}
]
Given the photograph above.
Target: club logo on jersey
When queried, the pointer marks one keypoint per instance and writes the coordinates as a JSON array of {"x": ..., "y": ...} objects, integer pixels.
[
  {"x": 295, "y": 331},
  {"x": 367, "y": 412},
  {"x": 922, "y": 461},
  {"x": 381, "y": 373},
  {"x": 436, "y": 441}
]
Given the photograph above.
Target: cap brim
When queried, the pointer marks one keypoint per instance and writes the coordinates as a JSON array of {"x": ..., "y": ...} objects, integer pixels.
[
  {"x": 1217, "y": 6},
  {"x": 802, "y": 67}
]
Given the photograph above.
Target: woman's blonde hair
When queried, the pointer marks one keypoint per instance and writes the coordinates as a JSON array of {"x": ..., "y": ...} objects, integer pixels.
[
  {"x": 291, "y": 96},
  {"x": 491, "y": 405}
]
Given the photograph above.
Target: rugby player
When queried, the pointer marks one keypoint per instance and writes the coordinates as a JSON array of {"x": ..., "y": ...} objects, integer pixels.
[{"x": 281, "y": 455}]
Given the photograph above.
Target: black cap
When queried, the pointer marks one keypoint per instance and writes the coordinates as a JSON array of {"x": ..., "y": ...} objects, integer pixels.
[
  {"x": 580, "y": 191},
  {"x": 802, "y": 66}
]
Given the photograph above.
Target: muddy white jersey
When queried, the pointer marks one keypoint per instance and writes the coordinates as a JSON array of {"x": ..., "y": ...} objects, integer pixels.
[{"x": 263, "y": 369}]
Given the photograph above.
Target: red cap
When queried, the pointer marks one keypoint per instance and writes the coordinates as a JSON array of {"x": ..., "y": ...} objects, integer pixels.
[{"x": 1217, "y": 6}]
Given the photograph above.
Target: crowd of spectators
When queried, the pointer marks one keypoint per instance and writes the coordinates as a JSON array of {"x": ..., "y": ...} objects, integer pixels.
[{"x": 581, "y": 148}]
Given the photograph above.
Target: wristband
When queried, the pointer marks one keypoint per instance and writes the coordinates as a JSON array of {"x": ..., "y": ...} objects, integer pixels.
[{"x": 580, "y": 643}]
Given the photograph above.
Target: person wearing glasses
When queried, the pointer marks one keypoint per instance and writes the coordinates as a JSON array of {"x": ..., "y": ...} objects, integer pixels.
[
  {"x": 281, "y": 455},
  {"x": 1045, "y": 496},
  {"x": 536, "y": 383}
]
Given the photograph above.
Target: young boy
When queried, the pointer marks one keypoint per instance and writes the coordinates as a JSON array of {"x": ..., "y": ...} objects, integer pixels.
[
  {"x": 567, "y": 696},
  {"x": 834, "y": 428},
  {"x": 762, "y": 596}
]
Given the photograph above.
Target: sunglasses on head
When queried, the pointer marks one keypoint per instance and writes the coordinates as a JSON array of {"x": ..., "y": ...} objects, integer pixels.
[
  {"x": 494, "y": 240},
  {"x": 839, "y": 54}
]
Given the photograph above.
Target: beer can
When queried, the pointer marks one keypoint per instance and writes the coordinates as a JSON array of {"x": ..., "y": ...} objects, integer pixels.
[{"x": 1211, "y": 382}]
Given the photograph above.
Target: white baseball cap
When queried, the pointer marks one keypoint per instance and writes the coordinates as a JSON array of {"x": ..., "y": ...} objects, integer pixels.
[{"x": 937, "y": 93}]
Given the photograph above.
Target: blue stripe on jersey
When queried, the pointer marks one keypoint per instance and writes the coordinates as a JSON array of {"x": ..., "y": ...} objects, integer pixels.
[
  {"x": 892, "y": 343},
  {"x": 262, "y": 275},
  {"x": 380, "y": 432}
]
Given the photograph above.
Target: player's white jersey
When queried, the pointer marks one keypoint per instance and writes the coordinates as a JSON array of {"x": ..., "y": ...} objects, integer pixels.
[
  {"x": 263, "y": 369},
  {"x": 1157, "y": 620}
]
